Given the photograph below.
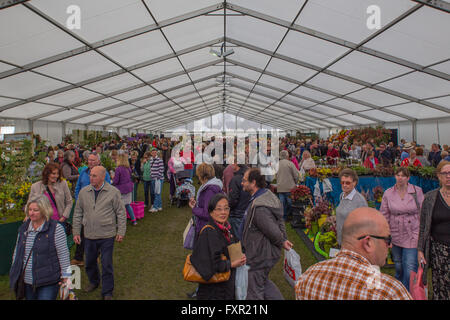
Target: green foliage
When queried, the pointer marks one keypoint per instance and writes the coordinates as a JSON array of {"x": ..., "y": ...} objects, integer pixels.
[
  {"x": 107, "y": 162},
  {"x": 328, "y": 240}
]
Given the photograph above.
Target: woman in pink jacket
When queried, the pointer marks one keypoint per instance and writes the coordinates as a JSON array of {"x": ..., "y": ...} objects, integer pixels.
[{"x": 401, "y": 206}]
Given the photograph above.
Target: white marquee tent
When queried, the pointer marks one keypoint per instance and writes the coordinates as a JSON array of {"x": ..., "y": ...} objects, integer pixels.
[{"x": 146, "y": 65}]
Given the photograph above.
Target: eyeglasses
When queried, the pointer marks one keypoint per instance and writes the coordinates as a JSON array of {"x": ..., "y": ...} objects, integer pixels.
[
  {"x": 445, "y": 174},
  {"x": 222, "y": 209},
  {"x": 387, "y": 239}
]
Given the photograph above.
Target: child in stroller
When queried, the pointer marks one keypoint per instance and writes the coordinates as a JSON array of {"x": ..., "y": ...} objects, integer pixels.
[{"x": 185, "y": 191}]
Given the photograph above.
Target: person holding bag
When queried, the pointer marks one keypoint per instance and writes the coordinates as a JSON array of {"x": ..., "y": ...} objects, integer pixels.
[
  {"x": 41, "y": 256},
  {"x": 57, "y": 192},
  {"x": 122, "y": 181},
  {"x": 210, "y": 250},
  {"x": 401, "y": 207}
]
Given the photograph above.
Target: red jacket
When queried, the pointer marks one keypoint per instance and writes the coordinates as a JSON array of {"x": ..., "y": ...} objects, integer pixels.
[{"x": 369, "y": 164}]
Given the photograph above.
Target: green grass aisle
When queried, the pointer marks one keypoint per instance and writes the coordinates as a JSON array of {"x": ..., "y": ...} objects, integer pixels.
[{"x": 148, "y": 263}]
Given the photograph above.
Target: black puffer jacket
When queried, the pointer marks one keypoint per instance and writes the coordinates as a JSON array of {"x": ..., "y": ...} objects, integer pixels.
[{"x": 206, "y": 258}]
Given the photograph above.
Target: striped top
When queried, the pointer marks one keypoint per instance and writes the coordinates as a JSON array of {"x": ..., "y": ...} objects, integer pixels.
[
  {"x": 153, "y": 169},
  {"x": 61, "y": 249},
  {"x": 349, "y": 276}
]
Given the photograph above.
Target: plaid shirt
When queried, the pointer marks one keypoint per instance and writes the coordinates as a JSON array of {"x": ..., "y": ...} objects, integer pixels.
[{"x": 349, "y": 276}]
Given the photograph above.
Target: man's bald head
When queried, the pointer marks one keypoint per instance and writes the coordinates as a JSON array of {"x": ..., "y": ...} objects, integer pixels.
[
  {"x": 97, "y": 176},
  {"x": 366, "y": 222}
]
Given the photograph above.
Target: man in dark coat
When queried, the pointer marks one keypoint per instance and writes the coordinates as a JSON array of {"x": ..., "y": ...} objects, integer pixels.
[{"x": 239, "y": 198}]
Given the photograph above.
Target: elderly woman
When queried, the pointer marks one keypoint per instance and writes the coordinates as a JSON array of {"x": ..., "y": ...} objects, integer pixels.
[
  {"x": 56, "y": 190},
  {"x": 411, "y": 160},
  {"x": 41, "y": 254},
  {"x": 434, "y": 234},
  {"x": 350, "y": 199},
  {"x": 69, "y": 170},
  {"x": 401, "y": 207},
  {"x": 307, "y": 162},
  {"x": 212, "y": 243}
]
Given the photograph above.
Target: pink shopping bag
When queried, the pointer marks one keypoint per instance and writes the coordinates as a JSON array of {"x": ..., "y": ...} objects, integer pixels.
[
  {"x": 138, "y": 209},
  {"x": 416, "y": 286}
]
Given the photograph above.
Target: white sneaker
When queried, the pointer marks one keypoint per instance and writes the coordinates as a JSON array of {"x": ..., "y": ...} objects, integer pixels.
[
  {"x": 152, "y": 210},
  {"x": 160, "y": 209}
]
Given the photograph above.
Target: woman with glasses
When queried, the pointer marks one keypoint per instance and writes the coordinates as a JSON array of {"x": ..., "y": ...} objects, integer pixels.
[
  {"x": 350, "y": 199},
  {"x": 211, "y": 247},
  {"x": 401, "y": 207},
  {"x": 434, "y": 234}
]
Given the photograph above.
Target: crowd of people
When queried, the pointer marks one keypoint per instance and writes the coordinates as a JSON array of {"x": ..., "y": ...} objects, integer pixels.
[{"x": 235, "y": 203}]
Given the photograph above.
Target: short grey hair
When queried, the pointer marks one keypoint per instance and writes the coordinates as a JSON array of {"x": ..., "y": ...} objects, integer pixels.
[
  {"x": 284, "y": 154},
  {"x": 43, "y": 204}
]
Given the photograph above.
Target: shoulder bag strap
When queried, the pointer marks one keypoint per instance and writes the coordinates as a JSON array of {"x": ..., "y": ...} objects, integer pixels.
[
  {"x": 206, "y": 226},
  {"x": 415, "y": 198},
  {"x": 51, "y": 195}
]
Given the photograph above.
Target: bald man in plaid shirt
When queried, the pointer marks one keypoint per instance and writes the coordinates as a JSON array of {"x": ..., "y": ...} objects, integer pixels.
[{"x": 355, "y": 272}]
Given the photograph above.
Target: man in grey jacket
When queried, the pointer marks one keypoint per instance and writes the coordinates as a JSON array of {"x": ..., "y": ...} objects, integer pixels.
[
  {"x": 287, "y": 177},
  {"x": 263, "y": 236},
  {"x": 101, "y": 211}
]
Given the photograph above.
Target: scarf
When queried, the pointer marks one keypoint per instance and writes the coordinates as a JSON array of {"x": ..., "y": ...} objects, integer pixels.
[{"x": 226, "y": 230}]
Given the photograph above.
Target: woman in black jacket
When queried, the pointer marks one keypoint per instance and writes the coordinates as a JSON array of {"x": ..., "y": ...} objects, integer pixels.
[{"x": 212, "y": 243}]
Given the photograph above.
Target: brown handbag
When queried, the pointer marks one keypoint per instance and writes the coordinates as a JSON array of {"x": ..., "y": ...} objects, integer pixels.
[{"x": 191, "y": 275}]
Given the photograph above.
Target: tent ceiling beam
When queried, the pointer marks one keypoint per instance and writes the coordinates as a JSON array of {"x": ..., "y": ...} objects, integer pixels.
[{"x": 342, "y": 42}]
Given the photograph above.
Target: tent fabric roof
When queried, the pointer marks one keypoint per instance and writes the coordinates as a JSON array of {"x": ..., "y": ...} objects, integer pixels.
[{"x": 297, "y": 64}]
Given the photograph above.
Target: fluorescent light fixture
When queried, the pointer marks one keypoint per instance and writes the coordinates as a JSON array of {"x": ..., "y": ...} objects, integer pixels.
[
  {"x": 221, "y": 54},
  {"x": 227, "y": 53},
  {"x": 215, "y": 53}
]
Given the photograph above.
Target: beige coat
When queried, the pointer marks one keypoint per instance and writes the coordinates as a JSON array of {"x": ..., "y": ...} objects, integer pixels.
[
  {"x": 62, "y": 195},
  {"x": 102, "y": 219},
  {"x": 287, "y": 176}
]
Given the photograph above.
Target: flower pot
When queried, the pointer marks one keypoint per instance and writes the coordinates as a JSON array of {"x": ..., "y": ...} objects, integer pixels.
[{"x": 8, "y": 236}]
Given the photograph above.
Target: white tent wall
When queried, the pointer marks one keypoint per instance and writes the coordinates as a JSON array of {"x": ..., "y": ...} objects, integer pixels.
[{"x": 51, "y": 131}]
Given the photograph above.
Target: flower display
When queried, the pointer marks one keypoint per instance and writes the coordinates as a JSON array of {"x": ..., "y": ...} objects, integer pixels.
[
  {"x": 300, "y": 193},
  {"x": 378, "y": 192}
]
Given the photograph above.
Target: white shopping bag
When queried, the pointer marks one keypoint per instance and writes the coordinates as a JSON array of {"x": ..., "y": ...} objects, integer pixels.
[
  {"x": 292, "y": 267},
  {"x": 241, "y": 282},
  {"x": 317, "y": 193},
  {"x": 327, "y": 186}
]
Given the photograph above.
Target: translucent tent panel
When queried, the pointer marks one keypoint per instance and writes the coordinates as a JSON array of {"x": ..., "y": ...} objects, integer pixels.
[
  {"x": 99, "y": 18},
  {"x": 254, "y": 31},
  {"x": 287, "y": 11},
  {"x": 444, "y": 101},
  {"x": 345, "y": 19},
  {"x": 198, "y": 57},
  {"x": 334, "y": 84},
  {"x": 368, "y": 68},
  {"x": 182, "y": 91},
  {"x": 382, "y": 116},
  {"x": 348, "y": 105},
  {"x": 158, "y": 70},
  {"x": 443, "y": 67},
  {"x": 61, "y": 116},
  {"x": 136, "y": 93},
  {"x": 290, "y": 70},
  {"x": 234, "y": 70},
  {"x": 170, "y": 83},
  {"x": 114, "y": 84},
  {"x": 89, "y": 119},
  {"x": 250, "y": 57},
  {"x": 418, "y": 111},
  {"x": 415, "y": 38},
  {"x": 108, "y": 121},
  {"x": 125, "y": 123},
  {"x": 296, "y": 101},
  {"x": 327, "y": 110},
  {"x": 313, "y": 94},
  {"x": 419, "y": 85},
  {"x": 151, "y": 100},
  {"x": 162, "y": 11},
  {"x": 376, "y": 97},
  {"x": 192, "y": 32},
  {"x": 129, "y": 52},
  {"x": 28, "y": 110},
  {"x": 278, "y": 83},
  {"x": 5, "y": 101},
  {"x": 31, "y": 38},
  {"x": 27, "y": 84},
  {"x": 119, "y": 110},
  {"x": 70, "y": 97},
  {"x": 80, "y": 67},
  {"x": 98, "y": 105},
  {"x": 309, "y": 49},
  {"x": 160, "y": 106},
  {"x": 354, "y": 118},
  {"x": 5, "y": 67},
  {"x": 205, "y": 72}
]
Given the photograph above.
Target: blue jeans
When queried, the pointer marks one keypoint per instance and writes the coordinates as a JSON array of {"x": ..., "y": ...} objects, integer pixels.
[
  {"x": 130, "y": 212},
  {"x": 104, "y": 247},
  {"x": 405, "y": 261},
  {"x": 42, "y": 293},
  {"x": 286, "y": 201},
  {"x": 157, "y": 204},
  {"x": 235, "y": 223},
  {"x": 148, "y": 188}
]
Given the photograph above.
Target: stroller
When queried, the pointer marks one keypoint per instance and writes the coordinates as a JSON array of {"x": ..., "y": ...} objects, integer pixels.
[{"x": 185, "y": 189}]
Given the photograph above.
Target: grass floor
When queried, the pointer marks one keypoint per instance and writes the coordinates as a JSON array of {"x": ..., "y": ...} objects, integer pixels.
[{"x": 148, "y": 263}]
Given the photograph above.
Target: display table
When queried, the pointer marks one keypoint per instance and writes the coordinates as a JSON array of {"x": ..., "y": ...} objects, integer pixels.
[{"x": 367, "y": 183}]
